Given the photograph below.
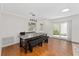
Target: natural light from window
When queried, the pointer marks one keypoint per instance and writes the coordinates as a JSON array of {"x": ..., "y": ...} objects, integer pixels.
[{"x": 60, "y": 30}]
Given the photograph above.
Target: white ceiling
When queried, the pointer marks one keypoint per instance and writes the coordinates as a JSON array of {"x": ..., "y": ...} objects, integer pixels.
[{"x": 47, "y": 10}]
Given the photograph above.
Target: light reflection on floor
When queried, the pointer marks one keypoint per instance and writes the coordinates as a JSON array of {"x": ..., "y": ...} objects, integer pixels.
[{"x": 55, "y": 47}]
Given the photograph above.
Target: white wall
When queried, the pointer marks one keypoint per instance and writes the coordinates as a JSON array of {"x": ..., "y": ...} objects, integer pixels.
[
  {"x": 10, "y": 27},
  {"x": 12, "y": 24},
  {"x": 75, "y": 28},
  {"x": 46, "y": 26}
]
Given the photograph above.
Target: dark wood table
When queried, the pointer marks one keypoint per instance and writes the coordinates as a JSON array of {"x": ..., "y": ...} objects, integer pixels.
[{"x": 28, "y": 42}]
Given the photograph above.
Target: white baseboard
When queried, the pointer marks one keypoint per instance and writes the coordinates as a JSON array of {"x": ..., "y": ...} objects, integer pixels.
[{"x": 9, "y": 44}]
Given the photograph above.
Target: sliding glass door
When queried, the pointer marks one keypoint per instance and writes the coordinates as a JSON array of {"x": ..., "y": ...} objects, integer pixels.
[
  {"x": 63, "y": 32},
  {"x": 60, "y": 30}
]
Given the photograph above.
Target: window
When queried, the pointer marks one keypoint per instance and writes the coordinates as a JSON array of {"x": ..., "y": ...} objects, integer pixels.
[
  {"x": 56, "y": 29},
  {"x": 60, "y": 30},
  {"x": 63, "y": 29}
]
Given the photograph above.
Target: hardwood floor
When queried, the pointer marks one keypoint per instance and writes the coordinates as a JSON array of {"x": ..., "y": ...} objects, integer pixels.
[{"x": 55, "y": 47}]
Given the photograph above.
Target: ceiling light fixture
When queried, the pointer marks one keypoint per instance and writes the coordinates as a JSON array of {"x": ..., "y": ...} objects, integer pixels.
[
  {"x": 32, "y": 13},
  {"x": 65, "y": 10}
]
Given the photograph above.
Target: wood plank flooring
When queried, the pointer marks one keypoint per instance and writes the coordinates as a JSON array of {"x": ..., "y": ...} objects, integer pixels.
[{"x": 55, "y": 47}]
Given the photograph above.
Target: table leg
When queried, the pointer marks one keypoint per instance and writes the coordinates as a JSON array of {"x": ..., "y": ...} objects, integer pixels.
[{"x": 20, "y": 42}]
